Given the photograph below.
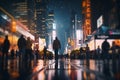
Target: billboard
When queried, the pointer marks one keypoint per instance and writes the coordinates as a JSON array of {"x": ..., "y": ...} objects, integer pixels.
[
  {"x": 99, "y": 21},
  {"x": 107, "y": 36}
]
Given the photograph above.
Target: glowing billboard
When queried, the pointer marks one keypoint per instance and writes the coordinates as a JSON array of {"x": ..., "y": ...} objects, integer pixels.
[
  {"x": 53, "y": 34},
  {"x": 99, "y": 21},
  {"x": 79, "y": 36}
]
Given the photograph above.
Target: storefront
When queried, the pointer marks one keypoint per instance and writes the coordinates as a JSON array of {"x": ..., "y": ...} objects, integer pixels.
[{"x": 97, "y": 40}]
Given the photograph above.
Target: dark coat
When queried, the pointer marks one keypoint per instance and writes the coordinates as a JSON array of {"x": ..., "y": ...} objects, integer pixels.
[
  {"x": 5, "y": 46},
  {"x": 21, "y": 43},
  {"x": 56, "y": 44}
]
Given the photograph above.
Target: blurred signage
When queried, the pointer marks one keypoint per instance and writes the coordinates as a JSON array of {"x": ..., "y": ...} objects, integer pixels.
[
  {"x": 114, "y": 32},
  {"x": 99, "y": 21},
  {"x": 53, "y": 34},
  {"x": 54, "y": 26},
  {"x": 13, "y": 27},
  {"x": 107, "y": 36}
]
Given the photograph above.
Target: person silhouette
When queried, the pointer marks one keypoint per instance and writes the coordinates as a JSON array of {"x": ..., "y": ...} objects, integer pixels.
[
  {"x": 5, "y": 49},
  {"x": 5, "y": 46},
  {"x": 56, "y": 47},
  {"x": 87, "y": 51},
  {"x": 45, "y": 51},
  {"x": 21, "y": 45},
  {"x": 98, "y": 52},
  {"x": 28, "y": 53},
  {"x": 105, "y": 48},
  {"x": 113, "y": 47}
]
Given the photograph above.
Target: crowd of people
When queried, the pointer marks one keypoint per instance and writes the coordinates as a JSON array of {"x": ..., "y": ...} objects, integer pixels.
[
  {"x": 104, "y": 52},
  {"x": 24, "y": 48}
]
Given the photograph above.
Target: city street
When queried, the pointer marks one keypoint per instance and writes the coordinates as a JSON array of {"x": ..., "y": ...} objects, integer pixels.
[
  {"x": 67, "y": 69},
  {"x": 59, "y": 39}
]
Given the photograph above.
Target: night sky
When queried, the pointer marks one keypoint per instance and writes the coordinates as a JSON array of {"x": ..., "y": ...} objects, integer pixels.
[{"x": 62, "y": 10}]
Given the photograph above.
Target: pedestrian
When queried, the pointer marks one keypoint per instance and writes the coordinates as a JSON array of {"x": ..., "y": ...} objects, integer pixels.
[
  {"x": 12, "y": 53},
  {"x": 105, "y": 48},
  {"x": 114, "y": 47},
  {"x": 21, "y": 45},
  {"x": 45, "y": 52},
  {"x": 81, "y": 50},
  {"x": 56, "y": 47},
  {"x": 87, "y": 51},
  {"x": 98, "y": 51},
  {"x": 5, "y": 46},
  {"x": 28, "y": 53},
  {"x": 36, "y": 50}
]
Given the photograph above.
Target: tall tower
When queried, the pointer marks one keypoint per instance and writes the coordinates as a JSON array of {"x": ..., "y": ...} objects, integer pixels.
[
  {"x": 20, "y": 10},
  {"x": 50, "y": 27},
  {"x": 86, "y": 12},
  {"x": 41, "y": 13}
]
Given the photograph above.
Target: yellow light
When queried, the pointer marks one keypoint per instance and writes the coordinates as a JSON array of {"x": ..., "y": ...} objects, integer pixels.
[{"x": 13, "y": 29}]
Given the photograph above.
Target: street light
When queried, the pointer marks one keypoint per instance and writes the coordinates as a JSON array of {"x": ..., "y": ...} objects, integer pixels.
[{"x": 13, "y": 27}]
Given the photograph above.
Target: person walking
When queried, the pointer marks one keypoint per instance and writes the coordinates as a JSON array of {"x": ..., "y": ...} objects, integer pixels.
[
  {"x": 87, "y": 51},
  {"x": 29, "y": 48},
  {"x": 105, "y": 48},
  {"x": 5, "y": 47},
  {"x": 113, "y": 48},
  {"x": 56, "y": 47},
  {"x": 98, "y": 52},
  {"x": 45, "y": 52},
  {"x": 21, "y": 45}
]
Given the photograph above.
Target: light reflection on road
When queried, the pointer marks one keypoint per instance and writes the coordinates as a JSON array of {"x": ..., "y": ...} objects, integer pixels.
[{"x": 67, "y": 69}]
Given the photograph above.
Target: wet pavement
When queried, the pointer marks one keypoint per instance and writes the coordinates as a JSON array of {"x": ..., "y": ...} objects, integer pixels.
[{"x": 61, "y": 69}]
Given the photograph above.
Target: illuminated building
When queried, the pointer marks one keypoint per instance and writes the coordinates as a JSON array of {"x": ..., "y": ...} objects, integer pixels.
[
  {"x": 109, "y": 9},
  {"x": 75, "y": 33},
  {"x": 32, "y": 13},
  {"x": 20, "y": 11},
  {"x": 50, "y": 28},
  {"x": 13, "y": 28},
  {"x": 31, "y": 16},
  {"x": 86, "y": 13},
  {"x": 72, "y": 29},
  {"x": 41, "y": 12}
]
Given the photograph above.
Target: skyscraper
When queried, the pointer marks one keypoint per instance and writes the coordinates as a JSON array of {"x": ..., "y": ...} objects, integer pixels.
[
  {"x": 50, "y": 27},
  {"x": 20, "y": 11},
  {"x": 41, "y": 12}
]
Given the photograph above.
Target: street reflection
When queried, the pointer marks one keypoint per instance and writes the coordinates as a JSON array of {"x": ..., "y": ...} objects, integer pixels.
[
  {"x": 63, "y": 72},
  {"x": 93, "y": 71},
  {"x": 66, "y": 69},
  {"x": 40, "y": 64}
]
